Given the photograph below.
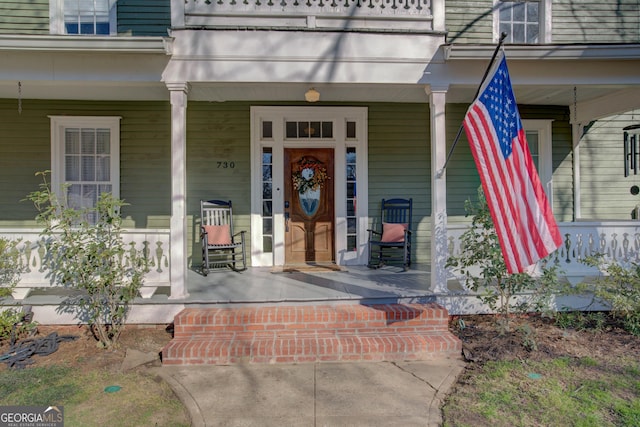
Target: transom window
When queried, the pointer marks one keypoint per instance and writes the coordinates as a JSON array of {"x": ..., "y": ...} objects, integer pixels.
[
  {"x": 308, "y": 130},
  {"x": 85, "y": 158},
  {"x": 83, "y": 17}
]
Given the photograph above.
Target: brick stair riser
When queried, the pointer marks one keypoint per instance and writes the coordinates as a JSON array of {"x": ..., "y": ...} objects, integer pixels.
[
  {"x": 340, "y": 348},
  {"x": 320, "y": 314},
  {"x": 320, "y": 333},
  {"x": 215, "y": 330},
  {"x": 310, "y": 334}
]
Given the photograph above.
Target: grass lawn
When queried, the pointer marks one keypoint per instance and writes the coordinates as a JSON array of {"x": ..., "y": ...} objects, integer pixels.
[
  {"x": 572, "y": 378},
  {"x": 142, "y": 400}
]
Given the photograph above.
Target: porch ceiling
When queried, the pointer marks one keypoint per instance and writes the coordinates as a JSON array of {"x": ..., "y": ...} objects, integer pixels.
[
  {"x": 539, "y": 94},
  {"x": 606, "y": 77},
  {"x": 543, "y": 94}
]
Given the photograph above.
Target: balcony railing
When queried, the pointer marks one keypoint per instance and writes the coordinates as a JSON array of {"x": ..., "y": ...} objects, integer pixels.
[
  {"x": 154, "y": 243},
  {"x": 414, "y": 15},
  {"x": 616, "y": 240}
]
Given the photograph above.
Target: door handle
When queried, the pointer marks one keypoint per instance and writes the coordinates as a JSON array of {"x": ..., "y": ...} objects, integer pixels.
[{"x": 286, "y": 222}]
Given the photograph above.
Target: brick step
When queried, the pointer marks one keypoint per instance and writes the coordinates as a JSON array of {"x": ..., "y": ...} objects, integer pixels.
[{"x": 295, "y": 334}]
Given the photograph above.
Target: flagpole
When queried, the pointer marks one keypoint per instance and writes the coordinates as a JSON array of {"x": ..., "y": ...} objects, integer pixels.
[{"x": 503, "y": 35}]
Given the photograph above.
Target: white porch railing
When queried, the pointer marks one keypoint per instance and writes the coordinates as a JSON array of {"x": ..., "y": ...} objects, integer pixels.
[
  {"x": 616, "y": 240},
  {"x": 414, "y": 15},
  {"x": 154, "y": 243}
]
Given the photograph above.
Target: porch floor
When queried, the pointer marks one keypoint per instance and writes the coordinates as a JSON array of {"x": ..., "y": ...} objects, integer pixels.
[
  {"x": 258, "y": 286},
  {"x": 223, "y": 286},
  {"x": 270, "y": 285}
]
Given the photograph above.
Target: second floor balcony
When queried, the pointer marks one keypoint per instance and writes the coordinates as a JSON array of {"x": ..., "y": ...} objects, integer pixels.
[{"x": 319, "y": 15}]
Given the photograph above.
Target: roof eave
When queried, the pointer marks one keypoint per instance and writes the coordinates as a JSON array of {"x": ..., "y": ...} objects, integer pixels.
[
  {"x": 57, "y": 43},
  {"x": 621, "y": 51}
]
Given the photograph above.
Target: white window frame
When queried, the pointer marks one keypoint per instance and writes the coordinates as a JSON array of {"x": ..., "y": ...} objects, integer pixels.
[
  {"x": 545, "y": 153},
  {"x": 56, "y": 18},
  {"x": 544, "y": 21},
  {"x": 58, "y": 126}
]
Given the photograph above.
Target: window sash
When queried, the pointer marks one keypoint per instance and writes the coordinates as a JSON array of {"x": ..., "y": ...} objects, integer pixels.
[
  {"x": 83, "y": 17},
  {"x": 85, "y": 158},
  {"x": 524, "y": 21}
]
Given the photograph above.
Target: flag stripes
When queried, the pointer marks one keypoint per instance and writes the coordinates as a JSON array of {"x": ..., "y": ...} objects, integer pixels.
[{"x": 519, "y": 207}]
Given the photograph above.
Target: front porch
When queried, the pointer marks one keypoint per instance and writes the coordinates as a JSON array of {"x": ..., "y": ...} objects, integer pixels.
[
  {"x": 161, "y": 299},
  {"x": 259, "y": 286}
]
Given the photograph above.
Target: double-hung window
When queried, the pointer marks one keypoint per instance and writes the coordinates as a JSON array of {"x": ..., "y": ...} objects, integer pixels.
[
  {"x": 524, "y": 21},
  {"x": 83, "y": 17},
  {"x": 539, "y": 135},
  {"x": 85, "y": 158}
]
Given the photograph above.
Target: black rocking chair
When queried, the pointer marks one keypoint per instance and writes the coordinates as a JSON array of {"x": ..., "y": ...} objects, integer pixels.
[
  {"x": 220, "y": 246},
  {"x": 393, "y": 243}
]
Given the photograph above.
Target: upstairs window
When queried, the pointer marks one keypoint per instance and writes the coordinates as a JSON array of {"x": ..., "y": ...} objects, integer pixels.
[
  {"x": 524, "y": 21},
  {"x": 83, "y": 17}
]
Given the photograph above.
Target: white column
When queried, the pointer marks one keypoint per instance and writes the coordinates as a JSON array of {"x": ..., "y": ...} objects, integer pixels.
[
  {"x": 439, "y": 251},
  {"x": 177, "y": 13},
  {"x": 178, "y": 222},
  {"x": 576, "y": 132},
  {"x": 437, "y": 11}
]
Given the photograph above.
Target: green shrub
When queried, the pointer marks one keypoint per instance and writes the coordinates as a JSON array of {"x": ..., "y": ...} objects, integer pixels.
[
  {"x": 581, "y": 321},
  {"x": 11, "y": 266},
  {"x": 86, "y": 252},
  {"x": 619, "y": 289},
  {"x": 480, "y": 249},
  {"x": 13, "y": 325}
]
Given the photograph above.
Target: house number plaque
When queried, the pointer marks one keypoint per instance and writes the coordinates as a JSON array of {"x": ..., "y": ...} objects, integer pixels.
[{"x": 226, "y": 165}]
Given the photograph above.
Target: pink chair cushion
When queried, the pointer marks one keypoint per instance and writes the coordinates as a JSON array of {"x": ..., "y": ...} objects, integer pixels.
[
  {"x": 218, "y": 234},
  {"x": 393, "y": 232}
]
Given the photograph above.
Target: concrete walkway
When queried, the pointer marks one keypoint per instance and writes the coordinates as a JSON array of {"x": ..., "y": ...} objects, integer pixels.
[{"x": 326, "y": 394}]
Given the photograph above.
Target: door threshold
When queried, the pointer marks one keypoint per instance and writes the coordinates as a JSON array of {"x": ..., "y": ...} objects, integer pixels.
[{"x": 314, "y": 267}]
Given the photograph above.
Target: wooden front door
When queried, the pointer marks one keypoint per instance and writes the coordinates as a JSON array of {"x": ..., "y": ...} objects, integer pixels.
[{"x": 309, "y": 205}]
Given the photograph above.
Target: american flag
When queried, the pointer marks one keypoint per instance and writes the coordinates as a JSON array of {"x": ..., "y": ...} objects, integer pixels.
[{"x": 525, "y": 225}]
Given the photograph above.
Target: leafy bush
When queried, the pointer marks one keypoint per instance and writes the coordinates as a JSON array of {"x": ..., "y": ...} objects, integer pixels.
[
  {"x": 619, "y": 288},
  {"x": 480, "y": 250},
  {"x": 11, "y": 266},
  {"x": 581, "y": 321},
  {"x": 14, "y": 325},
  {"x": 86, "y": 252}
]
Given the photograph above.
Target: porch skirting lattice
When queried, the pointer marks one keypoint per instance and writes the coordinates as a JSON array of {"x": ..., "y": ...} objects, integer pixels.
[{"x": 313, "y": 333}]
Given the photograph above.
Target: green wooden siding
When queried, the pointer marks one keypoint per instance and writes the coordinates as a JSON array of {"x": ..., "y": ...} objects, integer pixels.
[
  {"x": 469, "y": 21},
  {"x": 400, "y": 165},
  {"x": 596, "y": 21},
  {"x": 586, "y": 21},
  {"x": 562, "y": 158},
  {"x": 462, "y": 176},
  {"x": 135, "y": 17},
  {"x": 24, "y": 17},
  {"x": 399, "y": 160},
  {"x": 604, "y": 190},
  {"x": 218, "y": 132},
  {"x": 144, "y": 17},
  {"x": 145, "y": 167}
]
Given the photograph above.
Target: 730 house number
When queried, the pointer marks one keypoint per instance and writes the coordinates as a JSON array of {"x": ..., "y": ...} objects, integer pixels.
[{"x": 226, "y": 165}]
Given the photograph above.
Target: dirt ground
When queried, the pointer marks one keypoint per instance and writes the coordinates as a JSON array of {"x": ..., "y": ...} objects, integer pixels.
[
  {"x": 534, "y": 338},
  {"x": 84, "y": 352},
  {"x": 538, "y": 338}
]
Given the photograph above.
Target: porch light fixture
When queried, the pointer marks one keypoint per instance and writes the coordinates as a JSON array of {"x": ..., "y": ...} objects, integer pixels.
[{"x": 312, "y": 95}]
